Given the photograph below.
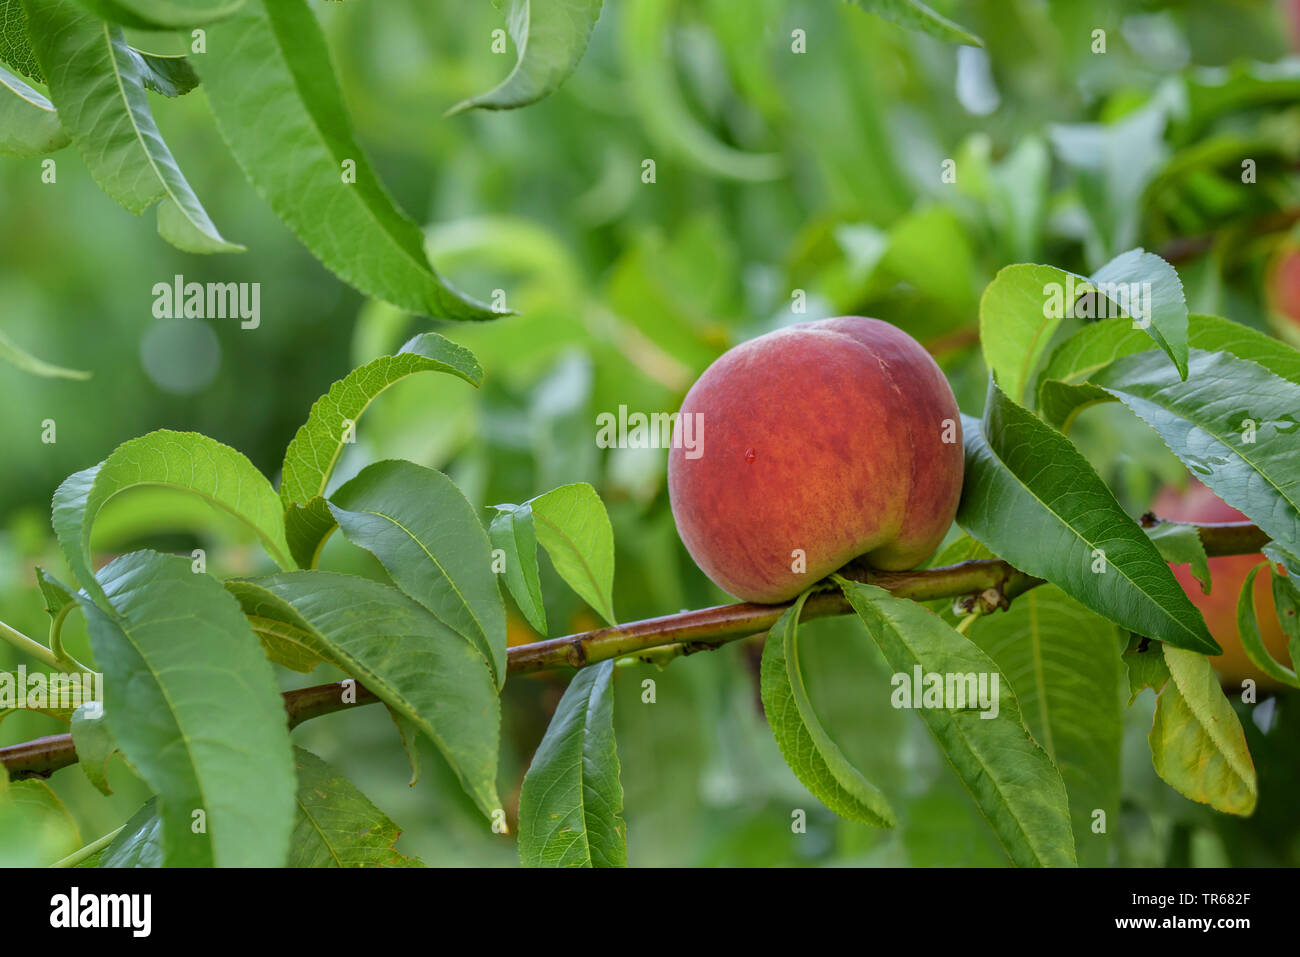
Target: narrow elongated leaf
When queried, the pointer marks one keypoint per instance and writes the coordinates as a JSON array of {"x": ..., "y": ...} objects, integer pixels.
[
  {"x": 571, "y": 801},
  {"x": 1138, "y": 277},
  {"x": 815, "y": 759},
  {"x": 26, "y": 361},
  {"x": 311, "y": 456},
  {"x": 513, "y": 533},
  {"x": 337, "y": 826},
  {"x": 1022, "y": 474},
  {"x": 194, "y": 706},
  {"x": 419, "y": 525},
  {"x": 1100, "y": 343},
  {"x": 652, "y": 82},
  {"x": 915, "y": 15},
  {"x": 180, "y": 460},
  {"x": 396, "y": 648},
  {"x": 1063, "y": 662},
  {"x": 1233, "y": 423},
  {"x": 29, "y": 126},
  {"x": 573, "y": 526},
  {"x": 1197, "y": 744},
  {"x": 1063, "y": 389},
  {"x": 1013, "y": 781},
  {"x": 163, "y": 14},
  {"x": 273, "y": 91},
  {"x": 1181, "y": 545},
  {"x": 1019, "y": 312},
  {"x": 97, "y": 83},
  {"x": 550, "y": 37},
  {"x": 1252, "y": 642}
]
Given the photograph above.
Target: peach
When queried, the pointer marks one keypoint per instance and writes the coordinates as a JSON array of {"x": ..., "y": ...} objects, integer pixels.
[
  {"x": 816, "y": 444},
  {"x": 1227, "y": 575}
]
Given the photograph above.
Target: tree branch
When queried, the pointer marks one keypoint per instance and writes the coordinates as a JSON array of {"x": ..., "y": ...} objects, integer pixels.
[{"x": 988, "y": 584}]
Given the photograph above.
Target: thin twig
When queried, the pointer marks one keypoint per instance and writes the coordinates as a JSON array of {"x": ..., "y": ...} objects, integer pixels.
[{"x": 987, "y": 583}]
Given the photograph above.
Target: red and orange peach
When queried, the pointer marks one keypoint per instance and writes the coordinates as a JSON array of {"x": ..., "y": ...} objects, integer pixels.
[{"x": 821, "y": 443}]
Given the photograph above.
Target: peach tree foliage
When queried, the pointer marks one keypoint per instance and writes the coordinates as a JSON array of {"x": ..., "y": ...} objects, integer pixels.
[
  {"x": 190, "y": 662},
  {"x": 272, "y": 90}
]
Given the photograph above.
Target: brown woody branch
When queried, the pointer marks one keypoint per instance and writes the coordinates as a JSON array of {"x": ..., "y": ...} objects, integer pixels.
[{"x": 992, "y": 583}]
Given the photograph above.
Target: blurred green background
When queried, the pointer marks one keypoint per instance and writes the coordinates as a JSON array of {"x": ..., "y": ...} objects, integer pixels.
[{"x": 780, "y": 178}]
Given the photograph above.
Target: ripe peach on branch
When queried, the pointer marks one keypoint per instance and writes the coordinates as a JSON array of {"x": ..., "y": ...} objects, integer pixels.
[{"x": 822, "y": 443}]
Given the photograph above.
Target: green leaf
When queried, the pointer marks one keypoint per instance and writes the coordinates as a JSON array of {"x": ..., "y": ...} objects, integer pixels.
[
  {"x": 57, "y": 595},
  {"x": 1286, "y": 599},
  {"x": 1197, "y": 744},
  {"x": 29, "y": 126},
  {"x": 196, "y": 711},
  {"x": 1013, "y": 781},
  {"x": 574, "y": 528},
  {"x": 274, "y": 94},
  {"x": 651, "y": 81},
  {"x": 98, "y": 84},
  {"x": 307, "y": 528},
  {"x": 1146, "y": 669},
  {"x": 1252, "y": 642},
  {"x": 311, "y": 456},
  {"x": 1111, "y": 165},
  {"x": 337, "y": 826},
  {"x": 512, "y": 532},
  {"x": 15, "y": 46},
  {"x": 1181, "y": 545},
  {"x": 550, "y": 37},
  {"x": 1019, "y": 312},
  {"x": 1063, "y": 662},
  {"x": 36, "y": 827},
  {"x": 1233, "y": 423},
  {"x": 94, "y": 744},
  {"x": 286, "y": 639},
  {"x": 397, "y": 649},
  {"x": 163, "y": 14},
  {"x": 815, "y": 759},
  {"x": 1022, "y": 474},
  {"x": 420, "y": 527},
  {"x": 140, "y": 842},
  {"x": 409, "y": 732},
  {"x": 571, "y": 798},
  {"x": 914, "y": 15},
  {"x": 1159, "y": 288},
  {"x": 1063, "y": 391},
  {"x": 169, "y": 76},
  {"x": 1018, "y": 193},
  {"x": 180, "y": 460},
  {"x": 26, "y": 361}
]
